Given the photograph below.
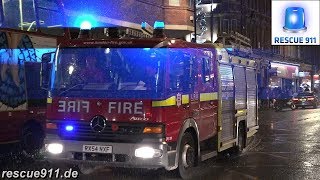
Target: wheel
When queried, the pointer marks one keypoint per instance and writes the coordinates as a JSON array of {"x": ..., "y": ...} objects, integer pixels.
[
  {"x": 32, "y": 140},
  {"x": 293, "y": 106},
  {"x": 315, "y": 106},
  {"x": 187, "y": 155},
  {"x": 303, "y": 107}
]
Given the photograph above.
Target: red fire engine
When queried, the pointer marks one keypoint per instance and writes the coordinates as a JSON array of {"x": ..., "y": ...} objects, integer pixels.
[
  {"x": 148, "y": 103},
  {"x": 24, "y": 39}
]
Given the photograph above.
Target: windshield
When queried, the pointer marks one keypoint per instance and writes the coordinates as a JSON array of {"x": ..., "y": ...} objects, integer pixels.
[{"x": 118, "y": 69}]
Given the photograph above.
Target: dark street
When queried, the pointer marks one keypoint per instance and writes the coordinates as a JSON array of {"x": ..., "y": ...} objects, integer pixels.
[{"x": 286, "y": 147}]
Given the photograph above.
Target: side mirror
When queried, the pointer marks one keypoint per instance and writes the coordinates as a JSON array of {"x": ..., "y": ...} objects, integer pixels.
[{"x": 46, "y": 69}]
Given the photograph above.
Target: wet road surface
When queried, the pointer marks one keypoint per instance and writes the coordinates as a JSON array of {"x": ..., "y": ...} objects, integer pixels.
[{"x": 287, "y": 146}]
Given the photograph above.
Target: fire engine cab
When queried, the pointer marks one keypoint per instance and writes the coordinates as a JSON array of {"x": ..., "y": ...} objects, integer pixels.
[{"x": 148, "y": 103}]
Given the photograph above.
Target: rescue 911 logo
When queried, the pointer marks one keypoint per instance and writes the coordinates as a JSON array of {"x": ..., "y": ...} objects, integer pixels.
[{"x": 295, "y": 22}]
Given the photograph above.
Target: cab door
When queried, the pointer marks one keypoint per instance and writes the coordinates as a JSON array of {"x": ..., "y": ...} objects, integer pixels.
[
  {"x": 208, "y": 98},
  {"x": 194, "y": 106}
]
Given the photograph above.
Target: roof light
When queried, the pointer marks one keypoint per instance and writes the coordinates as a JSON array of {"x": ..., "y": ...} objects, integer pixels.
[
  {"x": 86, "y": 25},
  {"x": 158, "y": 25},
  {"x": 143, "y": 25}
]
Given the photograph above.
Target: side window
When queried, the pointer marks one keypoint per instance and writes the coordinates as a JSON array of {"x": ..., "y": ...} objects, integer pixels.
[
  {"x": 51, "y": 17},
  {"x": 206, "y": 70},
  {"x": 181, "y": 73},
  {"x": 19, "y": 15}
]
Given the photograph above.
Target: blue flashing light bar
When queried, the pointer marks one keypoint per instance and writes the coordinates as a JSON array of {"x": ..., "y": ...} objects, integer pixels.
[
  {"x": 69, "y": 128},
  {"x": 144, "y": 25},
  {"x": 86, "y": 22},
  {"x": 86, "y": 25},
  {"x": 158, "y": 25}
]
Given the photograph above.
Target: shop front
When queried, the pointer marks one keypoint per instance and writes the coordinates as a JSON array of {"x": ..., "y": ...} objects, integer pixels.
[
  {"x": 284, "y": 76},
  {"x": 305, "y": 78}
]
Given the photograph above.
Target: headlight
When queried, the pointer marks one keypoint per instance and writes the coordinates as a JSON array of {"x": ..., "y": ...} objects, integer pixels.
[
  {"x": 55, "y": 148},
  {"x": 147, "y": 152}
]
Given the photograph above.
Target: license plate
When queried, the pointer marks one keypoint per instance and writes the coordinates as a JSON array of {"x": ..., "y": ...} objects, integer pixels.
[
  {"x": 97, "y": 149},
  {"x": 303, "y": 100}
]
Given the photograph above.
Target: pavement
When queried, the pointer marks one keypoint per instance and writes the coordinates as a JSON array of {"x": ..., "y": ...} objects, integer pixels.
[{"x": 287, "y": 146}]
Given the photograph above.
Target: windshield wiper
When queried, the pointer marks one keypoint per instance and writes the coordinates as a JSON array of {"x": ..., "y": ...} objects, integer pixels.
[{"x": 71, "y": 88}]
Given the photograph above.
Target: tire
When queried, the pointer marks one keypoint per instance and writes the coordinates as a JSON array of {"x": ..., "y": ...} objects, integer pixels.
[
  {"x": 315, "y": 106},
  {"x": 187, "y": 155},
  {"x": 293, "y": 106},
  {"x": 32, "y": 140}
]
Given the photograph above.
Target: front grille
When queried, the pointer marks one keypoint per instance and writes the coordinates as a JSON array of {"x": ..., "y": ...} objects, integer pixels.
[
  {"x": 101, "y": 157},
  {"x": 83, "y": 131}
]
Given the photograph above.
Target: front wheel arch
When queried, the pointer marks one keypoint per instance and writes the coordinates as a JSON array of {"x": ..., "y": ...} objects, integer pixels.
[
  {"x": 187, "y": 155},
  {"x": 189, "y": 125}
]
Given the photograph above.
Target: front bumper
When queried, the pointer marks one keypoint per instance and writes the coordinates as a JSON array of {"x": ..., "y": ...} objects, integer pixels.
[
  {"x": 305, "y": 103},
  {"x": 123, "y": 154}
]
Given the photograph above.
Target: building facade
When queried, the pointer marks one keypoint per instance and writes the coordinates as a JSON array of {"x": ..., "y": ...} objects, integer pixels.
[
  {"x": 131, "y": 13},
  {"x": 216, "y": 20},
  {"x": 252, "y": 18}
]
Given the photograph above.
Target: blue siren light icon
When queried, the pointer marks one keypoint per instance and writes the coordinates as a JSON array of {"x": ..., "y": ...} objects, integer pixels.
[{"x": 295, "y": 20}]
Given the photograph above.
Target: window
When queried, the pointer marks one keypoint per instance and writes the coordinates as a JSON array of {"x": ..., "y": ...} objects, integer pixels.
[
  {"x": 181, "y": 72},
  {"x": 50, "y": 16},
  {"x": 174, "y": 2},
  {"x": 206, "y": 70},
  {"x": 19, "y": 15},
  {"x": 234, "y": 25},
  {"x": 225, "y": 26}
]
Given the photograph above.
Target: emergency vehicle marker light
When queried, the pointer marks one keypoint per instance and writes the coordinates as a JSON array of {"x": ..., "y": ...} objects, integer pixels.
[
  {"x": 69, "y": 128},
  {"x": 143, "y": 24},
  {"x": 152, "y": 130},
  {"x": 158, "y": 25},
  {"x": 51, "y": 126},
  {"x": 85, "y": 25}
]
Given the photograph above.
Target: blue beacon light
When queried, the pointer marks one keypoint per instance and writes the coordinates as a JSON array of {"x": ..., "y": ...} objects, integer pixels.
[
  {"x": 69, "y": 128},
  {"x": 295, "y": 20},
  {"x": 158, "y": 25}
]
